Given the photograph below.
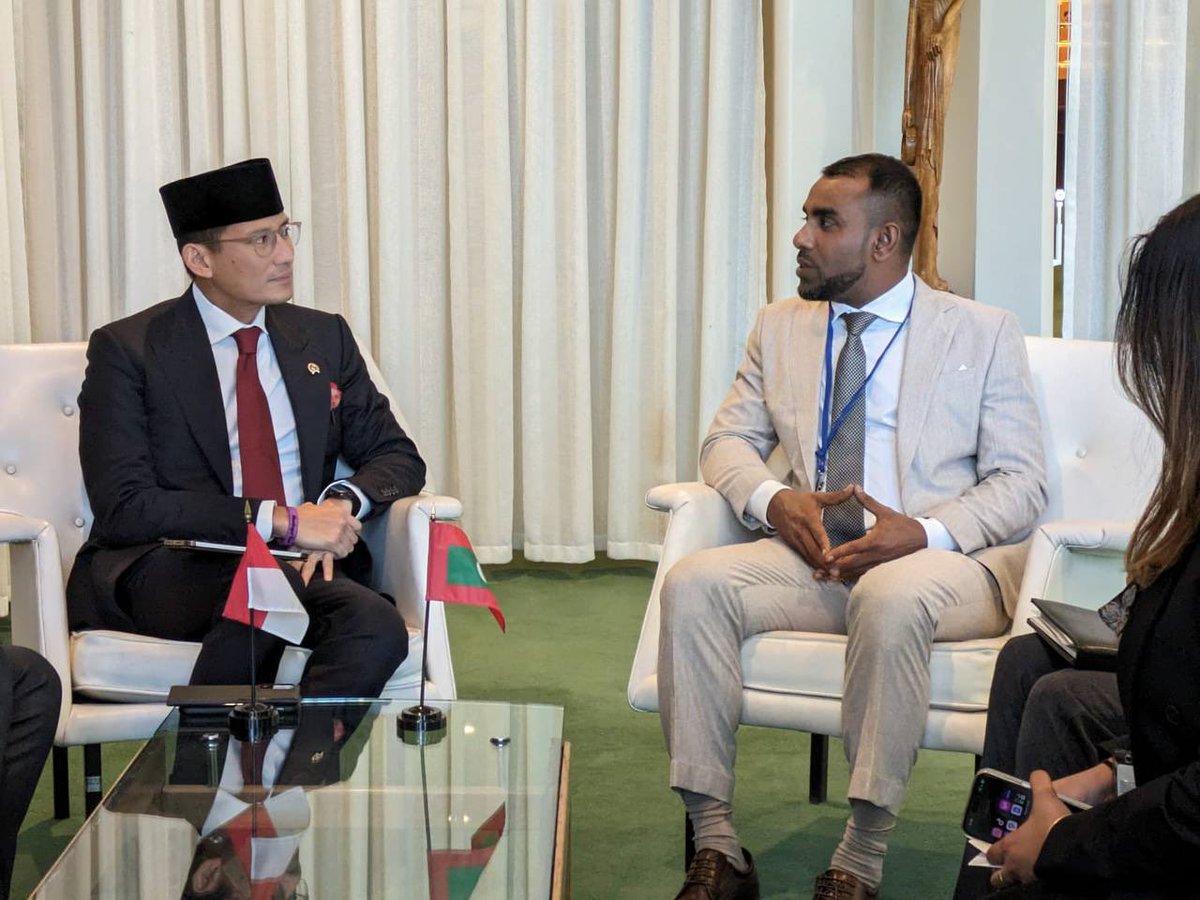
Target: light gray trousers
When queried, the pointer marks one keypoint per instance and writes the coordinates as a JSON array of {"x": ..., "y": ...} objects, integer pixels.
[{"x": 715, "y": 599}]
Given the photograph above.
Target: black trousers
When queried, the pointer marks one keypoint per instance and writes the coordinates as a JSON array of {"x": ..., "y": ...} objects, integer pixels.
[
  {"x": 30, "y": 696},
  {"x": 357, "y": 637},
  {"x": 1042, "y": 714}
]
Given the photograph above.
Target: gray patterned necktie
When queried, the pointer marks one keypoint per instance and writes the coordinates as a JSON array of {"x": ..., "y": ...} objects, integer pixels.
[{"x": 845, "y": 460}]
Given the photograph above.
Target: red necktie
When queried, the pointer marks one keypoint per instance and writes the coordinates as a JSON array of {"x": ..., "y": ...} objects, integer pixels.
[
  {"x": 252, "y": 759},
  {"x": 261, "y": 478}
]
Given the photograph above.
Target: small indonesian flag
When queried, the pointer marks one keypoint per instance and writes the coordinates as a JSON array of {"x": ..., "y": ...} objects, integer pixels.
[
  {"x": 265, "y": 839},
  {"x": 260, "y": 589},
  {"x": 454, "y": 573}
]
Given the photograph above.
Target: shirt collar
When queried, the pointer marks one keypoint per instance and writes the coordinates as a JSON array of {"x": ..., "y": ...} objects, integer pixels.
[
  {"x": 220, "y": 324},
  {"x": 891, "y": 305}
]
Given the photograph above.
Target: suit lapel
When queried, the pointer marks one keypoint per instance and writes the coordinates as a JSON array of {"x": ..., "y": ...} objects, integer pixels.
[
  {"x": 931, "y": 328},
  {"x": 307, "y": 391},
  {"x": 185, "y": 356},
  {"x": 806, "y": 354}
]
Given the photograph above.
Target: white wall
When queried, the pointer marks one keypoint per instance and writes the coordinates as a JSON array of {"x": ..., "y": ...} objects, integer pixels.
[
  {"x": 1014, "y": 223},
  {"x": 838, "y": 88},
  {"x": 960, "y": 164},
  {"x": 813, "y": 101}
]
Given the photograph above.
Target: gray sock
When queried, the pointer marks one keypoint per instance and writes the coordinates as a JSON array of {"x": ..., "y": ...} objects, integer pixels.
[
  {"x": 712, "y": 824},
  {"x": 864, "y": 842}
]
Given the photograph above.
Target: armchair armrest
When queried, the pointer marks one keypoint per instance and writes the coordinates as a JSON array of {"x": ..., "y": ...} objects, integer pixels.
[
  {"x": 399, "y": 542},
  {"x": 699, "y": 518},
  {"x": 1074, "y": 561},
  {"x": 39, "y": 603}
]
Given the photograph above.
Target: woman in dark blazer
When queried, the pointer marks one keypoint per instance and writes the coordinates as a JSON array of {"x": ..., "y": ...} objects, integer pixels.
[{"x": 1144, "y": 842}]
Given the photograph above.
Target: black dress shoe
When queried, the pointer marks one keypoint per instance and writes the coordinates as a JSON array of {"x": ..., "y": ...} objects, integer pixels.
[
  {"x": 834, "y": 884},
  {"x": 711, "y": 876}
]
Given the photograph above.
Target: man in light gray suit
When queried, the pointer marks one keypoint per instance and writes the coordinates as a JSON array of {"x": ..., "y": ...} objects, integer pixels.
[{"x": 914, "y": 451}]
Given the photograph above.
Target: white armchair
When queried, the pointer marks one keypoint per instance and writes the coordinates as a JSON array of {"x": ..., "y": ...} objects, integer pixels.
[
  {"x": 115, "y": 683},
  {"x": 1102, "y": 458}
]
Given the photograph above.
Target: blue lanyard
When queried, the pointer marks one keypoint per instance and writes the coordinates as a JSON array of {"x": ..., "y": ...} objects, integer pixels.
[{"x": 829, "y": 429}]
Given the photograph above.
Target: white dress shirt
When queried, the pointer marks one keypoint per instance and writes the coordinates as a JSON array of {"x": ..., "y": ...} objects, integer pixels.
[
  {"x": 881, "y": 475},
  {"x": 220, "y": 327}
]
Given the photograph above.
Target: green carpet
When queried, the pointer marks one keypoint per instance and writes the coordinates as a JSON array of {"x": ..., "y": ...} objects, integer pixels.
[{"x": 571, "y": 635}]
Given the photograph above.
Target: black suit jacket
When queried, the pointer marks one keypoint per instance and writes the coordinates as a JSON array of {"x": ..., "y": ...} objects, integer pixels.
[
  {"x": 155, "y": 451},
  {"x": 1142, "y": 844}
]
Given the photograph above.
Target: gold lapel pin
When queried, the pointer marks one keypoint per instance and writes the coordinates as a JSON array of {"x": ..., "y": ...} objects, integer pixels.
[{"x": 314, "y": 369}]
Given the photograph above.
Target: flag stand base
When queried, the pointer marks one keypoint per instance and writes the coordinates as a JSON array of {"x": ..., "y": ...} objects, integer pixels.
[
  {"x": 421, "y": 725},
  {"x": 253, "y": 723}
]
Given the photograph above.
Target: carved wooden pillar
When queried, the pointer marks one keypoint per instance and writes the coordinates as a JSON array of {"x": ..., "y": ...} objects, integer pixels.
[{"x": 929, "y": 63}]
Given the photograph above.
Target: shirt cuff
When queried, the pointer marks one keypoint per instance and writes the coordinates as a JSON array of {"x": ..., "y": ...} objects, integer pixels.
[
  {"x": 263, "y": 521},
  {"x": 937, "y": 537},
  {"x": 364, "y": 505},
  {"x": 756, "y": 506}
]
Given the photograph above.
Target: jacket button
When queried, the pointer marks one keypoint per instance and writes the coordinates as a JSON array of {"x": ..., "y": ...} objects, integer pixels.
[{"x": 1172, "y": 714}]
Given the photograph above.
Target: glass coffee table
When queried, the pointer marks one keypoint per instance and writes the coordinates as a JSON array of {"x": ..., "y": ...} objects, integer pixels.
[{"x": 337, "y": 805}]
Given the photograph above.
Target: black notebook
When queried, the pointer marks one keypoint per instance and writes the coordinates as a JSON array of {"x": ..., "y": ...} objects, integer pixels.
[{"x": 1078, "y": 634}]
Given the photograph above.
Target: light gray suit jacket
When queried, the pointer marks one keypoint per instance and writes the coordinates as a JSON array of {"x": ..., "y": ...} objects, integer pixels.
[{"x": 968, "y": 434}]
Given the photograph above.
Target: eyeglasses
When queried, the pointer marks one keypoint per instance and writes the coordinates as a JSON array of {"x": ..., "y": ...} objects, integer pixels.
[{"x": 263, "y": 242}]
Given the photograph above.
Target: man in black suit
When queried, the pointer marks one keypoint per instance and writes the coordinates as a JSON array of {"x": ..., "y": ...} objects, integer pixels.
[
  {"x": 30, "y": 695},
  {"x": 229, "y": 398}
]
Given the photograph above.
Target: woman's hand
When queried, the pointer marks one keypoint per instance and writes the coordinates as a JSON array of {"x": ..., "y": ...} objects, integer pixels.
[
  {"x": 1091, "y": 786},
  {"x": 1017, "y": 853}
]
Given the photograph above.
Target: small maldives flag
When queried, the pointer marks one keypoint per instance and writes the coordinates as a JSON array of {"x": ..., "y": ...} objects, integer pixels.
[
  {"x": 454, "y": 573},
  {"x": 453, "y": 874},
  {"x": 261, "y": 591}
]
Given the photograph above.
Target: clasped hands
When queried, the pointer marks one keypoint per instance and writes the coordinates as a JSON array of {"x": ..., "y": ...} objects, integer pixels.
[
  {"x": 796, "y": 516},
  {"x": 327, "y": 530}
]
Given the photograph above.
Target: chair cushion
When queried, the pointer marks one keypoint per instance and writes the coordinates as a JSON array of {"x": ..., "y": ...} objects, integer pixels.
[
  {"x": 101, "y": 670},
  {"x": 813, "y": 665}
]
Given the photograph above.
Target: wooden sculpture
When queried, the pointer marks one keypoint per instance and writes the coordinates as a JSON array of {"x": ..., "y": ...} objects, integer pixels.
[{"x": 929, "y": 62}]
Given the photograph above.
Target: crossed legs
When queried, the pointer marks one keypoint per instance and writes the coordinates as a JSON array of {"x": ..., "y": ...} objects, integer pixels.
[
  {"x": 357, "y": 637},
  {"x": 1042, "y": 714}
]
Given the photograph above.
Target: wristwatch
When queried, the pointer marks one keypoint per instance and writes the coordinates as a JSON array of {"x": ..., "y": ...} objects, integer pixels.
[{"x": 341, "y": 492}]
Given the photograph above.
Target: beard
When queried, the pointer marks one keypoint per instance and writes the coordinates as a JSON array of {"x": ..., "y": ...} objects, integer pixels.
[{"x": 832, "y": 288}]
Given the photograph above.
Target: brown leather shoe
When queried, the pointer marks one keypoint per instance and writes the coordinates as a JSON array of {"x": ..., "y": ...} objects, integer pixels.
[
  {"x": 834, "y": 884},
  {"x": 711, "y": 876}
]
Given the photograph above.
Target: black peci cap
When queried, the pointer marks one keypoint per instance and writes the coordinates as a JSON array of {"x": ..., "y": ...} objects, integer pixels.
[{"x": 242, "y": 192}]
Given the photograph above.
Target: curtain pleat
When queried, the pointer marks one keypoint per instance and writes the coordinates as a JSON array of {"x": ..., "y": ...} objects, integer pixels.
[
  {"x": 547, "y": 219},
  {"x": 1127, "y": 157}
]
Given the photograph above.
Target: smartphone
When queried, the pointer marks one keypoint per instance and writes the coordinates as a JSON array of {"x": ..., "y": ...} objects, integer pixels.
[{"x": 999, "y": 804}]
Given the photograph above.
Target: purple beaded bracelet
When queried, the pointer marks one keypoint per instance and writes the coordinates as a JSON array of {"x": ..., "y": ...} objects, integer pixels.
[{"x": 293, "y": 527}]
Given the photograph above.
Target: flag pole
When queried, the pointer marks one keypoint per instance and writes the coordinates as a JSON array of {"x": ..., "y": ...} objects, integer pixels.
[
  {"x": 252, "y": 629},
  {"x": 424, "y": 651},
  {"x": 253, "y": 722},
  {"x": 423, "y": 724}
]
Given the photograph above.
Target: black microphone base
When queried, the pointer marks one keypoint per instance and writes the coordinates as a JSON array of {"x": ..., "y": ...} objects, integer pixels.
[
  {"x": 421, "y": 725},
  {"x": 253, "y": 723}
]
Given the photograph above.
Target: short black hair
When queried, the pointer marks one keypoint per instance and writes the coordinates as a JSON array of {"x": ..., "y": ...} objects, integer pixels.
[
  {"x": 210, "y": 237},
  {"x": 893, "y": 184}
]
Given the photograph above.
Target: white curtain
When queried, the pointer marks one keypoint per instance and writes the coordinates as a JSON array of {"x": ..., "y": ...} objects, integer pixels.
[
  {"x": 1133, "y": 106},
  {"x": 547, "y": 217}
]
